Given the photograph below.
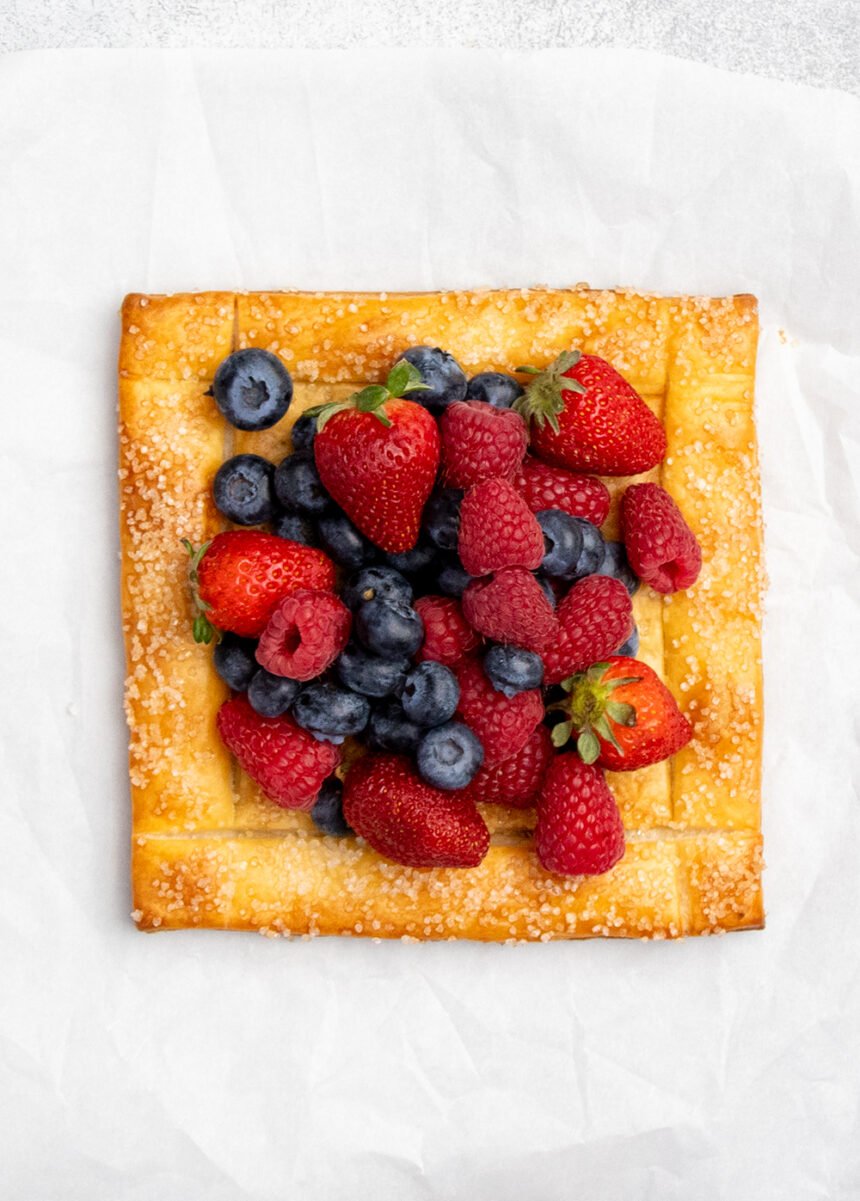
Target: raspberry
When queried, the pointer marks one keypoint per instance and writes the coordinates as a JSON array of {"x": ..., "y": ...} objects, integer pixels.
[
  {"x": 546, "y": 487},
  {"x": 498, "y": 529},
  {"x": 480, "y": 442},
  {"x": 661, "y": 547},
  {"x": 305, "y": 634},
  {"x": 511, "y": 607},
  {"x": 579, "y": 830},
  {"x": 517, "y": 780},
  {"x": 448, "y": 637},
  {"x": 288, "y": 763},
  {"x": 594, "y": 619},
  {"x": 503, "y": 724}
]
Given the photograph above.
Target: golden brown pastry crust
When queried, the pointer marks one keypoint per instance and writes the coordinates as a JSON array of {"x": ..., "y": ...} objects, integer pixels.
[{"x": 209, "y": 850}]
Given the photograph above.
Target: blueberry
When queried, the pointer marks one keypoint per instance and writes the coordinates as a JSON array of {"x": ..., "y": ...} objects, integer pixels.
[
  {"x": 511, "y": 670},
  {"x": 631, "y": 646},
  {"x": 389, "y": 628},
  {"x": 296, "y": 527},
  {"x": 271, "y": 695},
  {"x": 441, "y": 519},
  {"x": 303, "y": 433},
  {"x": 413, "y": 562},
  {"x": 449, "y": 756},
  {"x": 494, "y": 388},
  {"x": 452, "y": 578},
  {"x": 562, "y": 539},
  {"x": 445, "y": 379},
  {"x": 330, "y": 713},
  {"x": 372, "y": 582},
  {"x": 344, "y": 542},
  {"x": 547, "y": 589},
  {"x": 391, "y": 730},
  {"x": 369, "y": 674},
  {"x": 235, "y": 661},
  {"x": 616, "y": 564},
  {"x": 430, "y": 694},
  {"x": 253, "y": 389},
  {"x": 298, "y": 485},
  {"x": 243, "y": 490},
  {"x": 591, "y": 556},
  {"x": 327, "y": 813}
]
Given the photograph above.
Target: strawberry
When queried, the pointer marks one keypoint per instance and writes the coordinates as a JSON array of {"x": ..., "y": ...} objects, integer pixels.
[
  {"x": 503, "y": 724},
  {"x": 579, "y": 830},
  {"x": 389, "y": 805},
  {"x": 287, "y": 762},
  {"x": 623, "y": 714},
  {"x": 448, "y": 637},
  {"x": 510, "y": 606},
  {"x": 515, "y": 782},
  {"x": 498, "y": 529},
  {"x": 594, "y": 619},
  {"x": 585, "y": 416},
  {"x": 480, "y": 442},
  {"x": 377, "y": 454},
  {"x": 543, "y": 486},
  {"x": 239, "y": 577},
  {"x": 661, "y": 547},
  {"x": 305, "y": 634}
]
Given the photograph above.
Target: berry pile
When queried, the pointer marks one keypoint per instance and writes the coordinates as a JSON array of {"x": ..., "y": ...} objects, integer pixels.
[{"x": 428, "y": 587}]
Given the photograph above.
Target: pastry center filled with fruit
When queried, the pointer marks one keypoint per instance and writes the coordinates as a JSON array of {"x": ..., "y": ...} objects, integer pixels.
[{"x": 417, "y": 613}]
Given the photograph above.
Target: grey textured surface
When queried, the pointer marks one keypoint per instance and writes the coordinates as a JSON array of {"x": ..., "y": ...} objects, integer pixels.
[{"x": 809, "y": 41}]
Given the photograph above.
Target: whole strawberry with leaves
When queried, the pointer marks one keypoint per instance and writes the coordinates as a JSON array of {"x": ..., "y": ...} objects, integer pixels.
[
  {"x": 377, "y": 453},
  {"x": 585, "y": 416}
]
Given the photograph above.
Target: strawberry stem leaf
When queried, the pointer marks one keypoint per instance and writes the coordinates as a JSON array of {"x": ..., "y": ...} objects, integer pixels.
[
  {"x": 588, "y": 746},
  {"x": 543, "y": 399},
  {"x": 561, "y": 733}
]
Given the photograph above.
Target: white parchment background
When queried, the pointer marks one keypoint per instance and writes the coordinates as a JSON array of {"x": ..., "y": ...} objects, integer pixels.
[{"x": 225, "y": 1066}]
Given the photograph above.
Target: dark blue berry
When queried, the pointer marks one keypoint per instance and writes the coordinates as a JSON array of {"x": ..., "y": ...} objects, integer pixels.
[
  {"x": 616, "y": 564},
  {"x": 271, "y": 695},
  {"x": 303, "y": 433},
  {"x": 445, "y": 378},
  {"x": 296, "y": 527},
  {"x": 235, "y": 661},
  {"x": 452, "y": 578},
  {"x": 494, "y": 389},
  {"x": 511, "y": 670},
  {"x": 253, "y": 389},
  {"x": 547, "y": 589},
  {"x": 441, "y": 518},
  {"x": 591, "y": 555},
  {"x": 562, "y": 539},
  {"x": 344, "y": 542},
  {"x": 389, "y": 628},
  {"x": 391, "y": 730},
  {"x": 372, "y": 582},
  {"x": 413, "y": 562},
  {"x": 631, "y": 646},
  {"x": 430, "y": 694},
  {"x": 243, "y": 490},
  {"x": 449, "y": 756},
  {"x": 327, "y": 813},
  {"x": 330, "y": 713},
  {"x": 370, "y": 674},
  {"x": 298, "y": 485}
]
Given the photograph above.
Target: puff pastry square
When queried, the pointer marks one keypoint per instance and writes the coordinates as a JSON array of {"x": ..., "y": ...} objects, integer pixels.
[{"x": 208, "y": 850}]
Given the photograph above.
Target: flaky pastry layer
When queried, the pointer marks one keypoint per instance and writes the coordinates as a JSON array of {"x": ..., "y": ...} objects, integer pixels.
[{"x": 208, "y": 849}]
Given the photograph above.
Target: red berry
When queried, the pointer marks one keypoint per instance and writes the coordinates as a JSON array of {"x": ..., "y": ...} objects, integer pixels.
[
  {"x": 448, "y": 637},
  {"x": 480, "y": 442},
  {"x": 594, "y": 619},
  {"x": 389, "y": 805},
  {"x": 503, "y": 724},
  {"x": 287, "y": 762},
  {"x": 579, "y": 830},
  {"x": 243, "y": 574},
  {"x": 661, "y": 547},
  {"x": 510, "y": 606},
  {"x": 498, "y": 529},
  {"x": 515, "y": 782},
  {"x": 546, "y": 487},
  {"x": 305, "y": 634}
]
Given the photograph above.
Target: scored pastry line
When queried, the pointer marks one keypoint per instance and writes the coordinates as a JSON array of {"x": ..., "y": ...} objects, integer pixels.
[{"x": 229, "y": 450}]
